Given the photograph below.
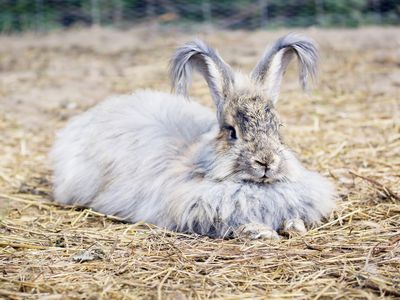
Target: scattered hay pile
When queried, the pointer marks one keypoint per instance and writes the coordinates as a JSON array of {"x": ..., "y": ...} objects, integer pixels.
[{"x": 349, "y": 129}]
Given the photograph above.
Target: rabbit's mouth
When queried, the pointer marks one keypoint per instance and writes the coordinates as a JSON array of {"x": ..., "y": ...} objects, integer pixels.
[
  {"x": 266, "y": 174},
  {"x": 268, "y": 180},
  {"x": 252, "y": 173},
  {"x": 264, "y": 179}
]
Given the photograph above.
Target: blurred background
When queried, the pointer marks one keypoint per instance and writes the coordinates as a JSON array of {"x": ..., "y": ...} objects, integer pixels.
[{"x": 42, "y": 15}]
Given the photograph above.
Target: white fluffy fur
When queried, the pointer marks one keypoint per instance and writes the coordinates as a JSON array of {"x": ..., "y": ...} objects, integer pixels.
[{"x": 134, "y": 156}]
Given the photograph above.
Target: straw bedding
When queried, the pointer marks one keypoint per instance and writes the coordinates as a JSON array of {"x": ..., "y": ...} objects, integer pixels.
[{"x": 349, "y": 129}]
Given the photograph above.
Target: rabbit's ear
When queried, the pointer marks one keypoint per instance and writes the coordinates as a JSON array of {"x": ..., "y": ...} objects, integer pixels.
[
  {"x": 199, "y": 56},
  {"x": 272, "y": 66}
]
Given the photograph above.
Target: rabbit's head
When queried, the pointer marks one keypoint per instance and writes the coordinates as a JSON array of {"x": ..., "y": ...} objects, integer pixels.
[{"x": 249, "y": 145}]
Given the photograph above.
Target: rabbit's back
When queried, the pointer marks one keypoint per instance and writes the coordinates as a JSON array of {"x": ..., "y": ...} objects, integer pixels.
[{"x": 109, "y": 157}]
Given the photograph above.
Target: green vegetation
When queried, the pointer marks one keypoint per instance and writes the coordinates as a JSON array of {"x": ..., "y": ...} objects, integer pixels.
[{"x": 19, "y": 15}]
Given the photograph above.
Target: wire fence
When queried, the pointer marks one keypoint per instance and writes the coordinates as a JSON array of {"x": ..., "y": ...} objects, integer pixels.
[{"x": 20, "y": 15}]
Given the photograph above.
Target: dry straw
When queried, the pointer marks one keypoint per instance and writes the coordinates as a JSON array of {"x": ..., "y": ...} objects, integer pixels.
[{"x": 349, "y": 129}]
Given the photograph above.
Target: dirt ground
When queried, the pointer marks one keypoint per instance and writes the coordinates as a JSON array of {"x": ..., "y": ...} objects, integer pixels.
[{"x": 348, "y": 129}]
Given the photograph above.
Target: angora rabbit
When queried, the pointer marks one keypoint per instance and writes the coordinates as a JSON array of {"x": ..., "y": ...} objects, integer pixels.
[{"x": 158, "y": 158}]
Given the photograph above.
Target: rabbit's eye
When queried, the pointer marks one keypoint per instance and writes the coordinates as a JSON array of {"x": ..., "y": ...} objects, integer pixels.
[{"x": 232, "y": 132}]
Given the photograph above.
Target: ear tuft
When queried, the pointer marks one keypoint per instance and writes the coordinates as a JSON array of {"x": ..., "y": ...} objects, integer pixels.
[
  {"x": 180, "y": 69},
  {"x": 201, "y": 57},
  {"x": 275, "y": 60}
]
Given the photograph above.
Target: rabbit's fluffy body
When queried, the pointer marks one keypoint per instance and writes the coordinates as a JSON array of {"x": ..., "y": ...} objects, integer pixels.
[{"x": 158, "y": 158}]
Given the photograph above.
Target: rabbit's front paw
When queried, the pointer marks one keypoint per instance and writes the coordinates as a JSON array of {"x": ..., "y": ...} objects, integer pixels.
[
  {"x": 256, "y": 231},
  {"x": 294, "y": 226}
]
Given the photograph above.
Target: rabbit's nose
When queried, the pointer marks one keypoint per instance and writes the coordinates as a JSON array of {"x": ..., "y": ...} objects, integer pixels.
[
  {"x": 266, "y": 165},
  {"x": 269, "y": 163}
]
